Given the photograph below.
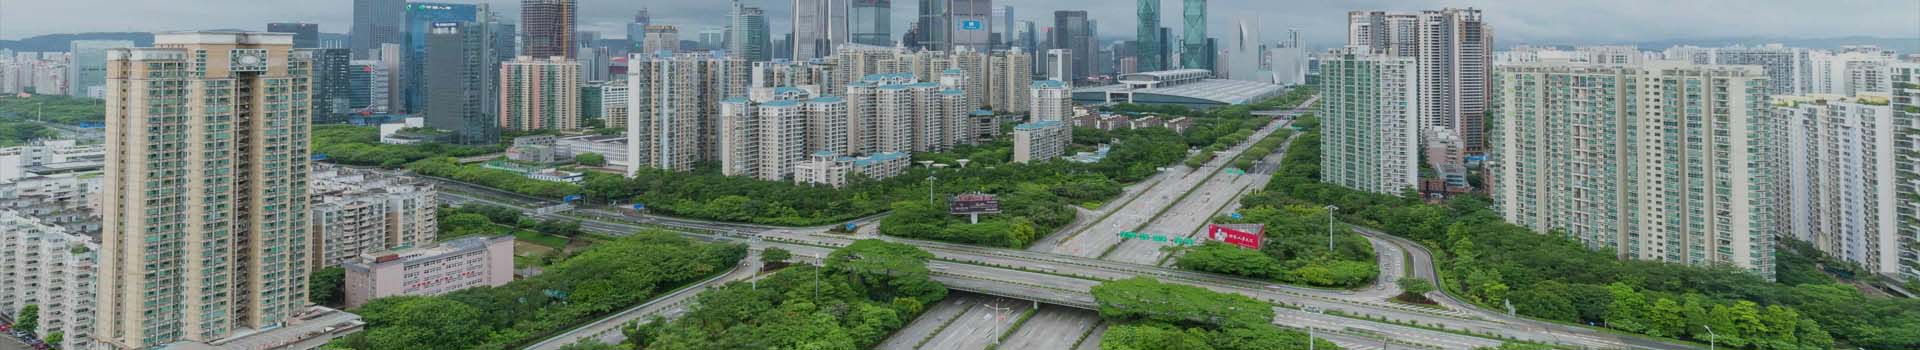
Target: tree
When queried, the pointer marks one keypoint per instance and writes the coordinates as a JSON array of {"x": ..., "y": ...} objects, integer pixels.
[
  {"x": 415, "y": 322},
  {"x": 775, "y": 256},
  {"x": 29, "y": 319},
  {"x": 1146, "y": 299},
  {"x": 1414, "y": 288},
  {"x": 55, "y": 338},
  {"x": 326, "y": 286},
  {"x": 590, "y": 159}
]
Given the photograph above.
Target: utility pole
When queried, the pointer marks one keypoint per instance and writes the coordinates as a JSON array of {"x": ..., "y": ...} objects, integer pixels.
[
  {"x": 998, "y": 318},
  {"x": 1712, "y": 339},
  {"x": 1330, "y": 209},
  {"x": 930, "y": 200}
]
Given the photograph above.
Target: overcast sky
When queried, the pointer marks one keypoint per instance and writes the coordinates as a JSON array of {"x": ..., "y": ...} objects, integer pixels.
[{"x": 1320, "y": 21}]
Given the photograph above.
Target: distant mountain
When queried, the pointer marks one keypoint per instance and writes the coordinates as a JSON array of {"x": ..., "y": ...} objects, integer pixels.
[{"x": 58, "y": 42}]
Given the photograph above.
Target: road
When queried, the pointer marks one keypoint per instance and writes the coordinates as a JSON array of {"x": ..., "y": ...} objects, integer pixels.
[
  {"x": 931, "y": 320},
  {"x": 1189, "y": 217},
  {"x": 1053, "y": 327},
  {"x": 980, "y": 325},
  {"x": 607, "y": 330}
]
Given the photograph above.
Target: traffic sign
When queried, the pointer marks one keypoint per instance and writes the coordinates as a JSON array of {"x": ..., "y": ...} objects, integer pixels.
[
  {"x": 1234, "y": 215},
  {"x": 1127, "y": 234},
  {"x": 1236, "y": 171},
  {"x": 850, "y": 226},
  {"x": 570, "y": 198},
  {"x": 639, "y": 206},
  {"x": 1159, "y": 238}
]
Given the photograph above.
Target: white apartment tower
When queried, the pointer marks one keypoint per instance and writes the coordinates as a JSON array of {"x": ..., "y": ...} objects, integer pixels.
[
  {"x": 673, "y": 107},
  {"x": 1841, "y": 175},
  {"x": 1051, "y": 101},
  {"x": 1904, "y": 80},
  {"x": 53, "y": 269},
  {"x": 1454, "y": 48},
  {"x": 1369, "y": 117},
  {"x": 1011, "y": 75},
  {"x": 539, "y": 94},
  {"x": 1668, "y": 161},
  {"x": 764, "y": 138},
  {"x": 207, "y": 151}
]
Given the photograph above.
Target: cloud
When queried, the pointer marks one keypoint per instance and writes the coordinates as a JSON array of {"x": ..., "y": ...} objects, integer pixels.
[{"x": 1320, "y": 22}]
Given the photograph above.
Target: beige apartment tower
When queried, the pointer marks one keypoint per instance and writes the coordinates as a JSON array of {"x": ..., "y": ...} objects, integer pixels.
[
  {"x": 539, "y": 94},
  {"x": 206, "y": 235}
]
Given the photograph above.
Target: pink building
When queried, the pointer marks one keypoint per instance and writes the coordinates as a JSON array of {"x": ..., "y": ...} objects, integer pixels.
[{"x": 438, "y": 269}]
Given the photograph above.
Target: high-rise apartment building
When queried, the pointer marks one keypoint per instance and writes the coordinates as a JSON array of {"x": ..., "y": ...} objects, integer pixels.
[
  {"x": 673, "y": 107},
  {"x": 208, "y": 235},
  {"x": 1147, "y": 43},
  {"x": 1840, "y": 177},
  {"x": 1194, "y": 53},
  {"x": 375, "y": 22},
  {"x": 896, "y": 113},
  {"x": 540, "y": 94},
  {"x": 1073, "y": 33},
  {"x": 52, "y": 269},
  {"x": 870, "y": 22},
  {"x": 612, "y": 108},
  {"x": 747, "y": 36},
  {"x": 1668, "y": 161},
  {"x": 819, "y": 26},
  {"x": 305, "y": 35},
  {"x": 1455, "y": 51},
  {"x": 1904, "y": 80},
  {"x": 1012, "y": 77},
  {"x": 661, "y": 38},
  {"x": 1849, "y": 73},
  {"x": 1041, "y": 140},
  {"x": 87, "y": 65},
  {"x": 549, "y": 28},
  {"x": 765, "y": 137},
  {"x": 1786, "y": 67},
  {"x": 637, "y": 32},
  {"x": 455, "y": 68},
  {"x": 1052, "y": 100},
  {"x": 357, "y": 211},
  {"x": 1368, "y": 112}
]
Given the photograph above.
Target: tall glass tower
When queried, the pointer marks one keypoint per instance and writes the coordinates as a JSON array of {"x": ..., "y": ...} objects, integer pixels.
[
  {"x": 1195, "y": 55},
  {"x": 1147, "y": 40},
  {"x": 870, "y": 22}
]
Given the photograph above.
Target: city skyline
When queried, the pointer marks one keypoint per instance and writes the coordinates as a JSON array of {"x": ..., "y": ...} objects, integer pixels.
[{"x": 1321, "y": 24}]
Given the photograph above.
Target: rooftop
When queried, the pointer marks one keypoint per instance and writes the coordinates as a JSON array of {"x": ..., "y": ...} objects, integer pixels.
[{"x": 1220, "y": 91}]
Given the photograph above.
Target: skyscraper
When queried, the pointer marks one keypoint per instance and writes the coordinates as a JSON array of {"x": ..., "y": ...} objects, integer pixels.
[
  {"x": 455, "y": 67},
  {"x": 1071, "y": 32},
  {"x": 207, "y": 238},
  {"x": 1194, "y": 53},
  {"x": 1012, "y": 77},
  {"x": 674, "y": 101},
  {"x": 971, "y": 22},
  {"x": 933, "y": 24},
  {"x": 747, "y": 36},
  {"x": 375, "y": 22},
  {"x": 1147, "y": 38},
  {"x": 331, "y": 83},
  {"x": 305, "y": 35},
  {"x": 1455, "y": 51},
  {"x": 1689, "y": 176},
  {"x": 870, "y": 22},
  {"x": 662, "y": 38},
  {"x": 1839, "y": 177},
  {"x": 422, "y": 17},
  {"x": 88, "y": 66},
  {"x": 1368, "y": 113},
  {"x": 637, "y": 31},
  {"x": 1904, "y": 78},
  {"x": 540, "y": 94},
  {"x": 818, "y": 27},
  {"x": 1003, "y": 21},
  {"x": 548, "y": 27}
]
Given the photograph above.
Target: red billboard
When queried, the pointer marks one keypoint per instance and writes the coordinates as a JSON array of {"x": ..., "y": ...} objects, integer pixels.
[{"x": 1244, "y": 235}]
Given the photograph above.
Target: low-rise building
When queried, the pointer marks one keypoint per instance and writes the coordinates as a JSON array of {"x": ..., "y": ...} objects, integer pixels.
[
  {"x": 449, "y": 266},
  {"x": 828, "y": 168},
  {"x": 1041, "y": 140},
  {"x": 536, "y": 172},
  {"x": 536, "y": 149},
  {"x": 357, "y": 211},
  {"x": 612, "y": 147},
  {"x": 48, "y": 267}
]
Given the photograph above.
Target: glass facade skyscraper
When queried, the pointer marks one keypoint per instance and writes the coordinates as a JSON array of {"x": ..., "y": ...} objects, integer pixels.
[
  {"x": 1147, "y": 37},
  {"x": 870, "y": 22},
  {"x": 1195, "y": 54},
  {"x": 421, "y": 17}
]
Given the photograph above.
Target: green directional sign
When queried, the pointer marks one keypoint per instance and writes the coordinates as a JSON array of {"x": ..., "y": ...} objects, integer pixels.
[
  {"x": 1127, "y": 234},
  {"x": 1159, "y": 238},
  {"x": 1236, "y": 171}
]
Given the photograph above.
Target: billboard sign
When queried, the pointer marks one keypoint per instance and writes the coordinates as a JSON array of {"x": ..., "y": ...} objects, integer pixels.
[
  {"x": 970, "y": 25},
  {"x": 1244, "y": 235},
  {"x": 974, "y": 203}
]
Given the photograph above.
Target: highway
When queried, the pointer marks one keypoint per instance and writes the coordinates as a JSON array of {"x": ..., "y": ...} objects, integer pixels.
[{"x": 1192, "y": 214}]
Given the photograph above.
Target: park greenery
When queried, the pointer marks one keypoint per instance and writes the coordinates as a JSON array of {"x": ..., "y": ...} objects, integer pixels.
[
  {"x": 26, "y": 119},
  {"x": 1150, "y": 315},
  {"x": 864, "y": 292},
  {"x": 605, "y": 278},
  {"x": 327, "y": 286},
  {"x": 360, "y": 145},
  {"x": 1550, "y": 276},
  {"x": 448, "y": 167}
]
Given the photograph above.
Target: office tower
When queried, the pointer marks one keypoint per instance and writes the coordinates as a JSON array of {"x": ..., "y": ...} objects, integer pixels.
[
  {"x": 1012, "y": 78},
  {"x": 1193, "y": 53},
  {"x": 375, "y": 22},
  {"x": 358, "y": 211},
  {"x": 548, "y": 27},
  {"x": 183, "y": 259},
  {"x": 712, "y": 39},
  {"x": 1368, "y": 115},
  {"x": 87, "y": 67},
  {"x": 1646, "y": 178},
  {"x": 1147, "y": 39},
  {"x": 1454, "y": 48},
  {"x": 1003, "y": 20},
  {"x": 1052, "y": 100},
  {"x": 637, "y": 32},
  {"x": 1072, "y": 33},
  {"x": 747, "y": 36},
  {"x": 673, "y": 101},
  {"x": 52, "y": 269},
  {"x": 766, "y": 136},
  {"x": 1840, "y": 177},
  {"x": 539, "y": 94},
  {"x": 1849, "y": 73},
  {"x": 971, "y": 24},
  {"x": 1059, "y": 65},
  {"x": 1041, "y": 140},
  {"x": 1029, "y": 39},
  {"x": 423, "y": 18},
  {"x": 870, "y": 22},
  {"x": 1242, "y": 54},
  {"x": 332, "y": 83},
  {"x": 783, "y": 47},
  {"x": 305, "y": 35},
  {"x": 1904, "y": 79},
  {"x": 367, "y": 87},
  {"x": 1786, "y": 66},
  {"x": 930, "y": 32},
  {"x": 1166, "y": 48},
  {"x": 818, "y": 27},
  {"x": 595, "y": 62},
  {"x": 662, "y": 38},
  {"x": 1288, "y": 64},
  {"x": 455, "y": 69}
]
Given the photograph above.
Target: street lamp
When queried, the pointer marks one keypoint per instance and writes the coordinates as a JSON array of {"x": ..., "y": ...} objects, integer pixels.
[
  {"x": 930, "y": 200},
  {"x": 1330, "y": 209},
  {"x": 1712, "y": 339},
  {"x": 1316, "y": 310},
  {"x": 998, "y": 317}
]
